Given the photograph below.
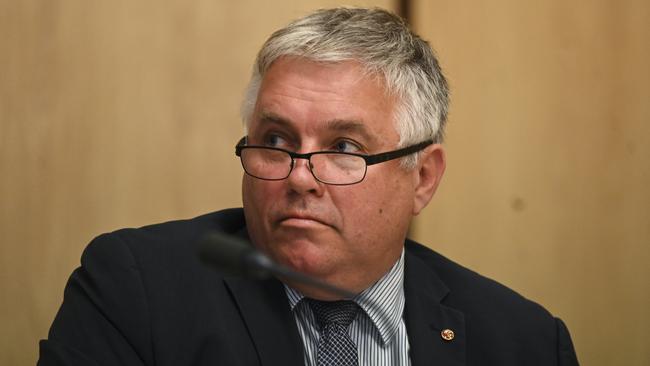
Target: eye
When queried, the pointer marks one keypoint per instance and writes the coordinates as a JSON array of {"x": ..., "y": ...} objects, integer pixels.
[
  {"x": 346, "y": 146},
  {"x": 275, "y": 140}
]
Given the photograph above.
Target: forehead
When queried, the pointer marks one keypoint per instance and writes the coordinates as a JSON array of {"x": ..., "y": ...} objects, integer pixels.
[{"x": 316, "y": 96}]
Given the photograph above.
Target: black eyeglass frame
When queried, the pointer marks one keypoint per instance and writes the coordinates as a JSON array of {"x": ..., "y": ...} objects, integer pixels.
[{"x": 369, "y": 159}]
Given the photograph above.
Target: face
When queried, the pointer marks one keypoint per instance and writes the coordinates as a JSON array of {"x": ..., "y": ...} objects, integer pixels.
[{"x": 350, "y": 235}]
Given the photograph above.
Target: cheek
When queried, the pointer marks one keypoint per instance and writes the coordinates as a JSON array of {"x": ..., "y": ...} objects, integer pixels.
[
  {"x": 378, "y": 213},
  {"x": 256, "y": 193},
  {"x": 361, "y": 211},
  {"x": 248, "y": 195},
  {"x": 257, "y": 204},
  {"x": 256, "y": 199}
]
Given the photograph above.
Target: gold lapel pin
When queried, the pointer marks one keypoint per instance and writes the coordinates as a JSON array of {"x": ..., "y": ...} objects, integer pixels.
[{"x": 447, "y": 334}]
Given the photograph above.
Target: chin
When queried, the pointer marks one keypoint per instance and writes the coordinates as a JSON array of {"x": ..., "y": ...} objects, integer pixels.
[{"x": 303, "y": 256}]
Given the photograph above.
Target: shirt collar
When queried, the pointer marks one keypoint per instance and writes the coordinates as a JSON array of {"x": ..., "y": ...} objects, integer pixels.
[{"x": 383, "y": 302}]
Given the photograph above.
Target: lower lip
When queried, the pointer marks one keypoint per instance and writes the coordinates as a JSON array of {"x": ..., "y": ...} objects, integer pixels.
[{"x": 301, "y": 223}]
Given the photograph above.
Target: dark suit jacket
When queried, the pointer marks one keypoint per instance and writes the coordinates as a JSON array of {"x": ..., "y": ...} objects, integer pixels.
[{"x": 141, "y": 297}]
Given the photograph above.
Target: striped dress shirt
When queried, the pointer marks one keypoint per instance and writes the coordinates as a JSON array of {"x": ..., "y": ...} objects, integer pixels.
[{"x": 378, "y": 331}]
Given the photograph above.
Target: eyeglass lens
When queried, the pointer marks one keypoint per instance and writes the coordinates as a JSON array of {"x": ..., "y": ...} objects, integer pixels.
[{"x": 332, "y": 168}]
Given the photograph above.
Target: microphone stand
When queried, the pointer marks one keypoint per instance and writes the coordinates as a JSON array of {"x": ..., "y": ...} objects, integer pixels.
[{"x": 234, "y": 255}]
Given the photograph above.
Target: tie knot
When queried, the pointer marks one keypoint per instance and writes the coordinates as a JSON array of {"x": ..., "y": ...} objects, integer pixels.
[{"x": 340, "y": 312}]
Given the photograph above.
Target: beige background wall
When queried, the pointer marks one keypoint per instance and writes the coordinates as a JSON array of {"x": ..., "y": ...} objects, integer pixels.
[
  {"x": 125, "y": 113},
  {"x": 548, "y": 180}
]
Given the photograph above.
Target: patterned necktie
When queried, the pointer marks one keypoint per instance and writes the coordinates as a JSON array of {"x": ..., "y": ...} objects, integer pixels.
[{"x": 335, "y": 348}]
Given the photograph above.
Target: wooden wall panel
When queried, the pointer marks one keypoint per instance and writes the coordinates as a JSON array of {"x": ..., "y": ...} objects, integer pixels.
[
  {"x": 112, "y": 114},
  {"x": 547, "y": 186}
]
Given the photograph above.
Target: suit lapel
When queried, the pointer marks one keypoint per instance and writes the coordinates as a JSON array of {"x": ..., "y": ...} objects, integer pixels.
[
  {"x": 265, "y": 310},
  {"x": 426, "y": 317}
]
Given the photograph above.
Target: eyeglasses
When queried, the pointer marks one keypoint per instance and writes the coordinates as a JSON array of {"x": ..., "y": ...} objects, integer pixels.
[{"x": 329, "y": 167}]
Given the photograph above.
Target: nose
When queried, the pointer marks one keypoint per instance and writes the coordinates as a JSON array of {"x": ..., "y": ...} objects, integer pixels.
[{"x": 301, "y": 180}]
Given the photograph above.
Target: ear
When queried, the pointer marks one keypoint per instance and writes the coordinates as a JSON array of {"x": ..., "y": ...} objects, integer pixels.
[{"x": 428, "y": 173}]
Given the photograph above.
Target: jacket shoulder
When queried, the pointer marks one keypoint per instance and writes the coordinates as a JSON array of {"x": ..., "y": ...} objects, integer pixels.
[
  {"x": 479, "y": 297},
  {"x": 171, "y": 235},
  {"x": 503, "y": 327}
]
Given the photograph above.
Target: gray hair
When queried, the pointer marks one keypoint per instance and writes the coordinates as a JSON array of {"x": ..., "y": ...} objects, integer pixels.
[{"x": 385, "y": 46}]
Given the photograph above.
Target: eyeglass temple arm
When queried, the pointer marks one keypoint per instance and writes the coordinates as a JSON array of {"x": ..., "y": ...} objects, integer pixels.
[{"x": 390, "y": 155}]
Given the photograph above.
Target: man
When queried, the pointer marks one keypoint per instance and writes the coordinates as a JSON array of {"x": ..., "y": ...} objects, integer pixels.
[{"x": 345, "y": 114}]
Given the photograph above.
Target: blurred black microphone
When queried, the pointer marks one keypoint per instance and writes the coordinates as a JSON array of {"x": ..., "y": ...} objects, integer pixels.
[{"x": 235, "y": 256}]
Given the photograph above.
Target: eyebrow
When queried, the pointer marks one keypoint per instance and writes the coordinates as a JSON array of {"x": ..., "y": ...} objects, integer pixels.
[
  {"x": 351, "y": 126},
  {"x": 276, "y": 119},
  {"x": 337, "y": 125}
]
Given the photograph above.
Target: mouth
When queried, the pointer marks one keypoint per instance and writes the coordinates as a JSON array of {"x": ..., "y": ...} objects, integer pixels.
[{"x": 301, "y": 221}]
